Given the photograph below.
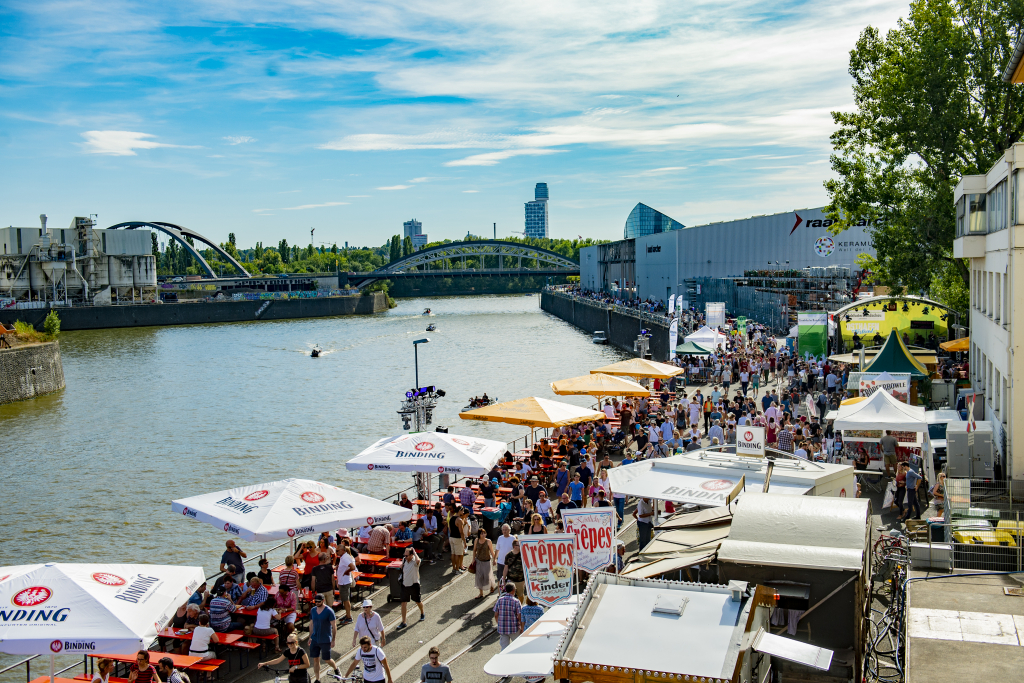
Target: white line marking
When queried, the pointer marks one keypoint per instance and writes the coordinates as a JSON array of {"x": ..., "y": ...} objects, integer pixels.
[{"x": 967, "y": 627}]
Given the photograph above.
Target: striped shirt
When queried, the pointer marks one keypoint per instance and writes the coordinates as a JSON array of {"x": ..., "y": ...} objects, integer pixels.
[
  {"x": 220, "y": 613},
  {"x": 288, "y": 577}
]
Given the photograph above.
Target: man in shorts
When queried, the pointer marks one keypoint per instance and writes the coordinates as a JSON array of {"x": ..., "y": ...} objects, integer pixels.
[
  {"x": 375, "y": 663},
  {"x": 411, "y": 583},
  {"x": 888, "y": 444},
  {"x": 346, "y": 565},
  {"x": 323, "y": 629},
  {"x": 322, "y": 582}
]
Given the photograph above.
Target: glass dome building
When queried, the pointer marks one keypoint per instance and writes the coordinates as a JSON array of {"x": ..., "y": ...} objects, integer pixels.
[{"x": 643, "y": 220}]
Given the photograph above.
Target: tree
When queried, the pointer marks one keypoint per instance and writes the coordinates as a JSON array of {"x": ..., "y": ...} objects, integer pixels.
[
  {"x": 51, "y": 325},
  {"x": 282, "y": 249},
  {"x": 396, "y": 249},
  {"x": 156, "y": 246},
  {"x": 231, "y": 240},
  {"x": 407, "y": 249},
  {"x": 931, "y": 106}
]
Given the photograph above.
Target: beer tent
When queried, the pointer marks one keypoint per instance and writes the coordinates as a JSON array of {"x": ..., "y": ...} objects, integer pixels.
[{"x": 287, "y": 509}]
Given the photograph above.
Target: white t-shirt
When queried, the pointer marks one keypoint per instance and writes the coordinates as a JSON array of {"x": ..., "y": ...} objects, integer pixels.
[
  {"x": 543, "y": 508},
  {"x": 372, "y": 669},
  {"x": 344, "y": 562},
  {"x": 609, "y": 412},
  {"x": 263, "y": 617},
  {"x": 201, "y": 639},
  {"x": 373, "y": 628},
  {"x": 504, "y": 546}
]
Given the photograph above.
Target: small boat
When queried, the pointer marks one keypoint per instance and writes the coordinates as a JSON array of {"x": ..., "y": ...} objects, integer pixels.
[
  {"x": 479, "y": 402},
  {"x": 315, "y": 353},
  {"x": 426, "y": 311},
  {"x": 431, "y": 328},
  {"x": 599, "y": 337}
]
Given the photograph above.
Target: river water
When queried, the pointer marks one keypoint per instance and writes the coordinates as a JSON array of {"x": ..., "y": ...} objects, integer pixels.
[{"x": 153, "y": 414}]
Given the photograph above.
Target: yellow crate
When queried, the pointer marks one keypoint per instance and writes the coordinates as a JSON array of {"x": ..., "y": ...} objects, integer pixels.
[{"x": 984, "y": 537}]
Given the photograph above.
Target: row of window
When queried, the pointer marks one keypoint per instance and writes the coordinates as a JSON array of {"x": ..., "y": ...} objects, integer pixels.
[
  {"x": 982, "y": 213},
  {"x": 991, "y": 381},
  {"x": 990, "y": 295}
]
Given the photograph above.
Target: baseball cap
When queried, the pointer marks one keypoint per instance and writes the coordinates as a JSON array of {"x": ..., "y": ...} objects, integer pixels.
[
  {"x": 367, "y": 602},
  {"x": 319, "y": 597}
]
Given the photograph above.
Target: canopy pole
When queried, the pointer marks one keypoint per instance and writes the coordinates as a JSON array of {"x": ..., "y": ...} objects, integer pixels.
[{"x": 53, "y": 665}]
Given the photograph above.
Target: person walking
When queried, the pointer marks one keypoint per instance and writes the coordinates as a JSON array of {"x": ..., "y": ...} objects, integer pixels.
[
  {"x": 514, "y": 571},
  {"x": 434, "y": 671},
  {"x": 346, "y": 566},
  {"x": 508, "y": 613},
  {"x": 457, "y": 541},
  {"x": 504, "y": 547},
  {"x": 484, "y": 555},
  {"x": 323, "y": 629},
  {"x": 644, "y": 514},
  {"x": 411, "y": 583},
  {"x": 369, "y": 624},
  {"x": 374, "y": 661}
]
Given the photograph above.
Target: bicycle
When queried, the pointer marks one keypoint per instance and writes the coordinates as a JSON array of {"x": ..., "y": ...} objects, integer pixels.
[
  {"x": 356, "y": 677},
  {"x": 279, "y": 674}
]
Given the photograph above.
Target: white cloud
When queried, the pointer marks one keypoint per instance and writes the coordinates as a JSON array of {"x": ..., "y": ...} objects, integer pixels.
[
  {"x": 313, "y": 206},
  {"x": 470, "y": 191},
  {"x": 395, "y": 187},
  {"x": 492, "y": 158},
  {"x": 356, "y": 196},
  {"x": 664, "y": 170},
  {"x": 239, "y": 139},
  {"x": 120, "y": 143}
]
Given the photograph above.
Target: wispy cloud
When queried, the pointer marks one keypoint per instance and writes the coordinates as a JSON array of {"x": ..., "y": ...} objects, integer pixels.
[
  {"x": 664, "y": 170},
  {"x": 492, "y": 158},
  {"x": 470, "y": 191},
  {"x": 313, "y": 206},
  {"x": 358, "y": 196},
  {"x": 121, "y": 143},
  {"x": 395, "y": 187},
  {"x": 239, "y": 139}
]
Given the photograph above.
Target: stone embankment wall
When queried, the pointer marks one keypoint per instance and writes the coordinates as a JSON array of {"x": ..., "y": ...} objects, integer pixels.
[
  {"x": 144, "y": 315},
  {"x": 620, "y": 329},
  {"x": 29, "y": 371}
]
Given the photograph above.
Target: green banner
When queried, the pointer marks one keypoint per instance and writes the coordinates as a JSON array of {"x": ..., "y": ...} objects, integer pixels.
[
  {"x": 812, "y": 333},
  {"x": 741, "y": 324}
]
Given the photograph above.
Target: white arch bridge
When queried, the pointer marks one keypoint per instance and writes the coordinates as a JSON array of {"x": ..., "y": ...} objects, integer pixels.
[{"x": 491, "y": 255}]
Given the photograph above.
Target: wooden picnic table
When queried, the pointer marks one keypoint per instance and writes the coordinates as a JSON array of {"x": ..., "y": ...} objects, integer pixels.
[
  {"x": 179, "y": 661},
  {"x": 219, "y": 638},
  {"x": 367, "y": 558}
]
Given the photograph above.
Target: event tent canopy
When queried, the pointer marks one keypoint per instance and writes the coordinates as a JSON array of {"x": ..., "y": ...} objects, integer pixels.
[
  {"x": 640, "y": 367},
  {"x": 895, "y": 357},
  {"x": 533, "y": 412},
  {"x": 74, "y": 608},
  {"x": 691, "y": 349},
  {"x": 286, "y": 509},
  {"x": 881, "y": 410},
  {"x": 954, "y": 345},
  {"x": 706, "y": 337},
  {"x": 531, "y": 653},
  {"x": 430, "y": 452},
  {"x": 598, "y": 384}
]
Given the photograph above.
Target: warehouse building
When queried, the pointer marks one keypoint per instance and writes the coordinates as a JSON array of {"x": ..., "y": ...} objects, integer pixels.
[{"x": 663, "y": 261}]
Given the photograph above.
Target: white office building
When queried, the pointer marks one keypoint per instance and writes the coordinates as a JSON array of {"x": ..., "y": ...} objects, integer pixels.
[
  {"x": 414, "y": 230},
  {"x": 989, "y": 219}
]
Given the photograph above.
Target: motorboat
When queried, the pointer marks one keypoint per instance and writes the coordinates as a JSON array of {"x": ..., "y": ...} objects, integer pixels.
[
  {"x": 431, "y": 328},
  {"x": 599, "y": 337},
  {"x": 315, "y": 353},
  {"x": 426, "y": 311},
  {"x": 479, "y": 402}
]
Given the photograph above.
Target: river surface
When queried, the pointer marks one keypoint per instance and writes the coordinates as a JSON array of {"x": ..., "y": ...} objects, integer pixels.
[{"x": 158, "y": 413}]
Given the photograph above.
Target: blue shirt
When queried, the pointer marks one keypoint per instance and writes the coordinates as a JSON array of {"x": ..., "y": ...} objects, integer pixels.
[
  {"x": 627, "y": 461},
  {"x": 562, "y": 479},
  {"x": 320, "y": 625},
  {"x": 577, "y": 490},
  {"x": 403, "y": 535},
  {"x": 531, "y": 613}
]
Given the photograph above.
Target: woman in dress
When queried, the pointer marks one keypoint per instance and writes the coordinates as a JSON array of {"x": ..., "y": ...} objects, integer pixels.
[{"x": 485, "y": 555}]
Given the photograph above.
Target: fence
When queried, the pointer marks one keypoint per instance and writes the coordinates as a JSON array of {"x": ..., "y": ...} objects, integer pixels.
[{"x": 646, "y": 316}]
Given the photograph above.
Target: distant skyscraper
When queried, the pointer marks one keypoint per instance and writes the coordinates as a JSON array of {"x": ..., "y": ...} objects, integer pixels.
[
  {"x": 537, "y": 212},
  {"x": 414, "y": 230}
]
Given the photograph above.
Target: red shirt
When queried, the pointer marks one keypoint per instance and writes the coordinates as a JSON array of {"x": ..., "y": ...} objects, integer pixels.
[
  {"x": 145, "y": 675},
  {"x": 312, "y": 559}
]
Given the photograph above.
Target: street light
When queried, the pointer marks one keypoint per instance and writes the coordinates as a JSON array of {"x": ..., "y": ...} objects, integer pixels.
[{"x": 416, "y": 356}]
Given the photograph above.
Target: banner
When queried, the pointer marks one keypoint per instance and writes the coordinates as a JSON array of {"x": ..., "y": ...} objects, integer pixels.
[
  {"x": 673, "y": 338},
  {"x": 547, "y": 565},
  {"x": 750, "y": 441},
  {"x": 671, "y": 305},
  {"x": 741, "y": 325},
  {"x": 812, "y": 333},
  {"x": 594, "y": 529},
  {"x": 715, "y": 314},
  {"x": 897, "y": 384}
]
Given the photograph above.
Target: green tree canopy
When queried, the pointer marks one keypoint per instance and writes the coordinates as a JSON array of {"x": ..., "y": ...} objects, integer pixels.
[{"x": 930, "y": 107}]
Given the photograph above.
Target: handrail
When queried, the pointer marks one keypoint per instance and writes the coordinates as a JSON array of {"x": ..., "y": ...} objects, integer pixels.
[{"x": 16, "y": 665}]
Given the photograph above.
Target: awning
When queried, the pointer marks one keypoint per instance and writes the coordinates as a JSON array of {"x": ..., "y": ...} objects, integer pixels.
[
  {"x": 430, "y": 452},
  {"x": 533, "y": 412},
  {"x": 643, "y": 569},
  {"x": 678, "y": 540},
  {"x": 956, "y": 345},
  {"x": 880, "y": 411},
  {"x": 598, "y": 384},
  {"x": 677, "y": 482},
  {"x": 691, "y": 349},
  {"x": 639, "y": 367},
  {"x": 531, "y": 654}
]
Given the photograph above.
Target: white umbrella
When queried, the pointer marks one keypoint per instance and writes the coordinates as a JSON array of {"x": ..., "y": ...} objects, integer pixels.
[
  {"x": 430, "y": 452},
  {"x": 50, "y": 609},
  {"x": 287, "y": 509}
]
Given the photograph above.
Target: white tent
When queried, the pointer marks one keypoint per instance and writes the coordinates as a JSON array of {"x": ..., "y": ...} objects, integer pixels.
[
  {"x": 286, "y": 509},
  {"x": 706, "y": 337},
  {"x": 531, "y": 654},
  {"x": 88, "y": 608},
  {"x": 881, "y": 411},
  {"x": 430, "y": 452}
]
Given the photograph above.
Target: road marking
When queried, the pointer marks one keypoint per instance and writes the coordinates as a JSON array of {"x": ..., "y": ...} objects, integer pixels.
[
  {"x": 966, "y": 627},
  {"x": 417, "y": 658}
]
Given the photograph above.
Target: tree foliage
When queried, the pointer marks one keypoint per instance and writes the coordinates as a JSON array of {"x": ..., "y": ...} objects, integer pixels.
[{"x": 930, "y": 107}]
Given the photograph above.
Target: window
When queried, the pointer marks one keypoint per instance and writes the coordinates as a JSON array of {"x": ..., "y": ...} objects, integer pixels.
[
  {"x": 977, "y": 224},
  {"x": 961, "y": 215},
  {"x": 999, "y": 296},
  {"x": 997, "y": 208}
]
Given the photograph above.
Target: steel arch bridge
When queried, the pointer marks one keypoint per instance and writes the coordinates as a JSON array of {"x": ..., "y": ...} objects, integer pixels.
[
  {"x": 179, "y": 234},
  {"x": 547, "y": 262}
]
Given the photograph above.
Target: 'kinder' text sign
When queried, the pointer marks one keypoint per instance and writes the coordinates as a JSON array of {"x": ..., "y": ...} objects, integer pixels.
[{"x": 547, "y": 565}]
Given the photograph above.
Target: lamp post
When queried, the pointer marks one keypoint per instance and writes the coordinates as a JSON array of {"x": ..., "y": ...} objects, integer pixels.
[{"x": 416, "y": 356}]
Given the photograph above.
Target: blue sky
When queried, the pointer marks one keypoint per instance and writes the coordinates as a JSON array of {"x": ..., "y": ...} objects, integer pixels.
[{"x": 267, "y": 119}]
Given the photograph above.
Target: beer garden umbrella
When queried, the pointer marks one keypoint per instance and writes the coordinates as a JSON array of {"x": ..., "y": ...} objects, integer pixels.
[
  {"x": 287, "y": 509},
  {"x": 533, "y": 412},
  {"x": 61, "y": 608},
  {"x": 640, "y": 367},
  {"x": 954, "y": 345},
  {"x": 430, "y": 452},
  {"x": 598, "y": 384}
]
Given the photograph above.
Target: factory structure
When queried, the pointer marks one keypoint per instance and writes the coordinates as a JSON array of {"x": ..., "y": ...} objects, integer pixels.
[
  {"x": 790, "y": 258},
  {"x": 79, "y": 265}
]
